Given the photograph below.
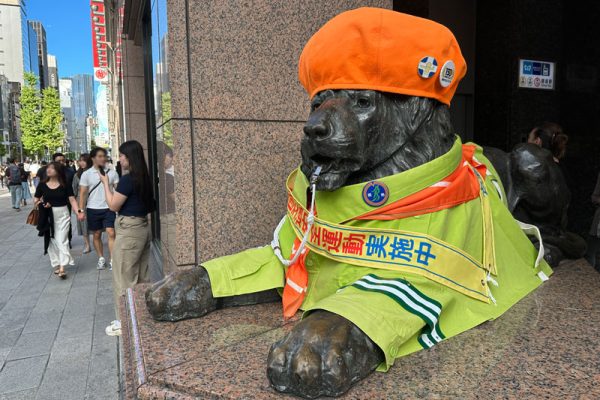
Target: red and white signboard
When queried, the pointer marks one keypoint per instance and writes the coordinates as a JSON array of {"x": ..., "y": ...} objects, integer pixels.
[
  {"x": 100, "y": 74},
  {"x": 99, "y": 43}
]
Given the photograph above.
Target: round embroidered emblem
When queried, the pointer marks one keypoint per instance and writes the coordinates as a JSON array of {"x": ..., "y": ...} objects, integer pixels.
[
  {"x": 427, "y": 67},
  {"x": 447, "y": 74},
  {"x": 375, "y": 193}
]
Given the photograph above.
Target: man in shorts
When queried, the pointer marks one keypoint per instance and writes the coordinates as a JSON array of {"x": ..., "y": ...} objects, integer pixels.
[{"x": 93, "y": 201}]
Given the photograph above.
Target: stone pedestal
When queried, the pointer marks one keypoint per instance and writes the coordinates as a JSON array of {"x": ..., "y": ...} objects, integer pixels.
[{"x": 547, "y": 346}]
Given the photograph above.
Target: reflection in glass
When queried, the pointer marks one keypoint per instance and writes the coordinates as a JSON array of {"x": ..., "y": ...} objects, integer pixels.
[{"x": 164, "y": 132}]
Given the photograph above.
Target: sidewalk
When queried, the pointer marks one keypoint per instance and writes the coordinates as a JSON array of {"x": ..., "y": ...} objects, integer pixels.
[{"x": 52, "y": 340}]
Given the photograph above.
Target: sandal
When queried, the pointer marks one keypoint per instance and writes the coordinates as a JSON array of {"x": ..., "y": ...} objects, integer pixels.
[
  {"x": 56, "y": 271},
  {"x": 62, "y": 274}
]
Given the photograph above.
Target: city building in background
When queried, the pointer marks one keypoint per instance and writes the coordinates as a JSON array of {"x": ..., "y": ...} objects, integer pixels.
[
  {"x": 42, "y": 49},
  {"x": 102, "y": 134},
  {"x": 53, "y": 78},
  {"x": 32, "y": 61},
  {"x": 14, "y": 119},
  {"x": 65, "y": 93},
  {"x": 82, "y": 104},
  {"x": 14, "y": 40},
  {"x": 4, "y": 118}
]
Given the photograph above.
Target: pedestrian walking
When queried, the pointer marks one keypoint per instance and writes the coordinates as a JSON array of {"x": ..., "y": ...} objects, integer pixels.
[
  {"x": 40, "y": 173},
  {"x": 51, "y": 197},
  {"x": 35, "y": 166},
  {"x": 13, "y": 173},
  {"x": 133, "y": 201},
  {"x": 2, "y": 175},
  {"x": 84, "y": 163},
  {"x": 92, "y": 199},
  {"x": 26, "y": 194}
]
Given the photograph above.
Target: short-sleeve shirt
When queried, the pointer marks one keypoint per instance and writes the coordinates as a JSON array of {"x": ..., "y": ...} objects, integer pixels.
[
  {"x": 96, "y": 199},
  {"x": 58, "y": 197},
  {"x": 133, "y": 206}
]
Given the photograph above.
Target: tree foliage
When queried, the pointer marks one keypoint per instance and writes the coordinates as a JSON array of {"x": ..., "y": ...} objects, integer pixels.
[
  {"x": 41, "y": 117},
  {"x": 51, "y": 119},
  {"x": 167, "y": 129},
  {"x": 31, "y": 115}
]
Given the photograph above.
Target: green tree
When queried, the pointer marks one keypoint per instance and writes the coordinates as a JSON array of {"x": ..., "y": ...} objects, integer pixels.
[
  {"x": 52, "y": 118},
  {"x": 166, "y": 117},
  {"x": 31, "y": 116},
  {"x": 41, "y": 117}
]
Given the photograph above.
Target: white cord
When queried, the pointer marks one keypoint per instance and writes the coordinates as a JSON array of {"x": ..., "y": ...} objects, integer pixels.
[{"x": 310, "y": 220}]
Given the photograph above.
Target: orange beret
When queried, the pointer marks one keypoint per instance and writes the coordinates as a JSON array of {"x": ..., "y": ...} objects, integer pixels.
[{"x": 379, "y": 49}]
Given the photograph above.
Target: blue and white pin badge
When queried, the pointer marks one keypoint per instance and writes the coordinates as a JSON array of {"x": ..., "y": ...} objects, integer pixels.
[
  {"x": 427, "y": 67},
  {"x": 447, "y": 73},
  {"x": 375, "y": 193}
]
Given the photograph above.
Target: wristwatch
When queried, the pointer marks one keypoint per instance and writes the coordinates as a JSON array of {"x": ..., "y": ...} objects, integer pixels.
[{"x": 80, "y": 210}]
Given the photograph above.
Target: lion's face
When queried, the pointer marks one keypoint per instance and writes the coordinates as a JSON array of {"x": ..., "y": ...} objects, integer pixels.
[{"x": 349, "y": 132}]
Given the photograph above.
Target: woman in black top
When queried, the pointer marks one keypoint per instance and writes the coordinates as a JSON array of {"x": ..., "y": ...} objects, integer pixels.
[
  {"x": 53, "y": 194},
  {"x": 132, "y": 200}
]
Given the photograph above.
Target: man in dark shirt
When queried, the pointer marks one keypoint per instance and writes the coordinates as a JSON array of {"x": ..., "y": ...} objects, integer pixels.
[
  {"x": 60, "y": 158},
  {"x": 13, "y": 174}
]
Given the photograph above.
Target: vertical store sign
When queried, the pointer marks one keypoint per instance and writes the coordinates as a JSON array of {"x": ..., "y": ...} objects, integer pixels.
[
  {"x": 99, "y": 42},
  {"x": 536, "y": 74}
]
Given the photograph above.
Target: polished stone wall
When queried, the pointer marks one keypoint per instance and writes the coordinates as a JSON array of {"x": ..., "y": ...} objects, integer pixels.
[
  {"x": 133, "y": 93},
  {"x": 237, "y": 117}
]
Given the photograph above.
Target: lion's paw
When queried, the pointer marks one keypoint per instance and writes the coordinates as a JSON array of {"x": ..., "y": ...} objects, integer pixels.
[
  {"x": 181, "y": 295},
  {"x": 322, "y": 356}
]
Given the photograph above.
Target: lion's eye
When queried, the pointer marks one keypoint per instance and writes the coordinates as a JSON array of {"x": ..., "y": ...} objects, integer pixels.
[
  {"x": 363, "y": 102},
  {"x": 316, "y": 105}
]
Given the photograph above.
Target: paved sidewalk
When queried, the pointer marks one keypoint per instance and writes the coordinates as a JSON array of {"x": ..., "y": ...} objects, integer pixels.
[{"x": 52, "y": 340}]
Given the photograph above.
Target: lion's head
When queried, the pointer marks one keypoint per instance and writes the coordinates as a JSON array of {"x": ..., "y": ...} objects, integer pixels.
[{"x": 362, "y": 135}]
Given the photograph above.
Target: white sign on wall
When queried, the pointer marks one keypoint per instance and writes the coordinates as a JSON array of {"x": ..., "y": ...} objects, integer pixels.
[{"x": 537, "y": 74}]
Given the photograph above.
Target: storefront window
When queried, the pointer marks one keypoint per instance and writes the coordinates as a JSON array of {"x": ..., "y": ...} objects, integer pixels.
[{"x": 162, "y": 109}]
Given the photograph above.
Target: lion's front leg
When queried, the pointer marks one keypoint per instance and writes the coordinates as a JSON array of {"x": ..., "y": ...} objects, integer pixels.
[
  {"x": 188, "y": 294},
  {"x": 181, "y": 295},
  {"x": 322, "y": 356}
]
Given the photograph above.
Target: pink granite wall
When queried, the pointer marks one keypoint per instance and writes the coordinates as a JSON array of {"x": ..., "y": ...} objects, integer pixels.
[{"x": 238, "y": 112}]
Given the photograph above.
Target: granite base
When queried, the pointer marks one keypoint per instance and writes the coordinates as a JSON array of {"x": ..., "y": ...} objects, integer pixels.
[{"x": 547, "y": 346}]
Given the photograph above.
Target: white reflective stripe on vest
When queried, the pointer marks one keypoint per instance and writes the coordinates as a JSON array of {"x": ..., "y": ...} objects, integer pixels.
[{"x": 295, "y": 286}]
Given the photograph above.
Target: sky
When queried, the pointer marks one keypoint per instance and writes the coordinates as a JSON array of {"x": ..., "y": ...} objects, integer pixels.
[{"x": 68, "y": 33}]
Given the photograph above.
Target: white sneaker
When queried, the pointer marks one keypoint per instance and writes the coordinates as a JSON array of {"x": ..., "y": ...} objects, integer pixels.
[
  {"x": 110, "y": 264},
  {"x": 114, "y": 329},
  {"x": 101, "y": 263}
]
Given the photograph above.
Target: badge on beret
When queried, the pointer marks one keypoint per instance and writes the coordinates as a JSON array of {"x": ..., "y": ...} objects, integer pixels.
[
  {"x": 427, "y": 67},
  {"x": 447, "y": 73},
  {"x": 375, "y": 193}
]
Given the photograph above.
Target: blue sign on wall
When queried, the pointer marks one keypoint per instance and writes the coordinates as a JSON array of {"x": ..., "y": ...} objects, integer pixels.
[{"x": 536, "y": 74}]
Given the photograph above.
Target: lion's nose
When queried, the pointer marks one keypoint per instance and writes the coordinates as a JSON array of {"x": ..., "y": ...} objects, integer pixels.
[{"x": 315, "y": 131}]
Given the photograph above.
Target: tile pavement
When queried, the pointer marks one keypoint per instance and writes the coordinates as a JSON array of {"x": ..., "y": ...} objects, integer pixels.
[{"x": 52, "y": 340}]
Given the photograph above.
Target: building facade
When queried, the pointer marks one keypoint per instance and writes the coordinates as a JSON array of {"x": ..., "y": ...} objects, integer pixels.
[
  {"x": 4, "y": 118},
  {"x": 66, "y": 105},
  {"x": 210, "y": 89},
  {"x": 42, "y": 52},
  {"x": 14, "y": 119},
  {"x": 32, "y": 60},
  {"x": 82, "y": 104},
  {"x": 14, "y": 40},
  {"x": 53, "y": 78}
]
